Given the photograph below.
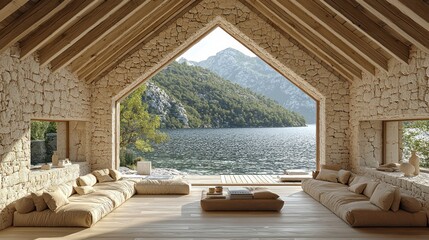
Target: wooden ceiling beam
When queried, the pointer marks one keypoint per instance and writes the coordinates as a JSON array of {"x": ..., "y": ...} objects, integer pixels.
[
  {"x": 93, "y": 36},
  {"x": 418, "y": 10},
  {"x": 323, "y": 33},
  {"x": 399, "y": 22},
  {"x": 168, "y": 16},
  {"x": 106, "y": 57},
  {"x": 57, "y": 24},
  {"x": 314, "y": 45},
  {"x": 327, "y": 20},
  {"x": 122, "y": 31},
  {"x": 29, "y": 21},
  {"x": 7, "y": 7},
  {"x": 78, "y": 30},
  {"x": 369, "y": 28}
]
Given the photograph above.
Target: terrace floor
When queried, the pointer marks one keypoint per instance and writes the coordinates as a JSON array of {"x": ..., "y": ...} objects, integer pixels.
[
  {"x": 245, "y": 180},
  {"x": 180, "y": 217}
]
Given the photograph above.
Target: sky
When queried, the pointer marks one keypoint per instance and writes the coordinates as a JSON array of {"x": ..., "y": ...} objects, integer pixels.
[{"x": 213, "y": 43}]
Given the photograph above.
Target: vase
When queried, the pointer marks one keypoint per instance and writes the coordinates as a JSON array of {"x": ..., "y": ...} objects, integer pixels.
[
  {"x": 415, "y": 161},
  {"x": 407, "y": 169},
  {"x": 54, "y": 159}
]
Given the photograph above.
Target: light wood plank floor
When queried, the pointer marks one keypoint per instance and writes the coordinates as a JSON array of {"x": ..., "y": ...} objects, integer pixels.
[
  {"x": 173, "y": 217},
  {"x": 238, "y": 180}
]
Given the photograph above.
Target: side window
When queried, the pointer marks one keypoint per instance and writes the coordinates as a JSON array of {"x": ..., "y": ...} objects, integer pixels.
[
  {"x": 44, "y": 141},
  {"x": 403, "y": 137}
]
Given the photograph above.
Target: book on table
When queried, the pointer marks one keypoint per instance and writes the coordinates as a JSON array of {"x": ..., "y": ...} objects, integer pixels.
[{"x": 239, "y": 193}]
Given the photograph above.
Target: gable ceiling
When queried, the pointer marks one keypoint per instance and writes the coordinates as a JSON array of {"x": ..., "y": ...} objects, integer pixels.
[{"x": 93, "y": 36}]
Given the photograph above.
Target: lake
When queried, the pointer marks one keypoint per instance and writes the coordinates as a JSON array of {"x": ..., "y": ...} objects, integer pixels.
[{"x": 237, "y": 150}]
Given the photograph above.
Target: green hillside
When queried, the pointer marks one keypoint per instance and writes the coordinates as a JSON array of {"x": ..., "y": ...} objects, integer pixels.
[{"x": 212, "y": 102}]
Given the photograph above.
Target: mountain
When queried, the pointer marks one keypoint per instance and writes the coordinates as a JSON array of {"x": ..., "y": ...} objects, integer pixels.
[
  {"x": 255, "y": 74},
  {"x": 191, "y": 96}
]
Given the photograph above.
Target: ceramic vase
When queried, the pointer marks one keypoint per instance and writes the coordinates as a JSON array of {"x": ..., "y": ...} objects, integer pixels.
[
  {"x": 415, "y": 161},
  {"x": 55, "y": 159},
  {"x": 407, "y": 169}
]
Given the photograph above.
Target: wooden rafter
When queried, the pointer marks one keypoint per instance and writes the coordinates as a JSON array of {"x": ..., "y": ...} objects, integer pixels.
[
  {"x": 29, "y": 21},
  {"x": 102, "y": 59},
  {"x": 369, "y": 28},
  {"x": 327, "y": 20},
  {"x": 7, "y": 7},
  {"x": 290, "y": 27},
  {"x": 93, "y": 36},
  {"x": 418, "y": 10},
  {"x": 123, "y": 31},
  {"x": 399, "y": 22},
  {"x": 57, "y": 24},
  {"x": 78, "y": 30},
  {"x": 169, "y": 16},
  {"x": 323, "y": 33}
]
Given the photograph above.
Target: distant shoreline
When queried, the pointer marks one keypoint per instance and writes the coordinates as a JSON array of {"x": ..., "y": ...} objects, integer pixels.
[{"x": 307, "y": 125}]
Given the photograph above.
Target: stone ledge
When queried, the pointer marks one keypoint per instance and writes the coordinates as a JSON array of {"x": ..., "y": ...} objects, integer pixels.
[
  {"x": 81, "y": 167},
  {"x": 417, "y": 186}
]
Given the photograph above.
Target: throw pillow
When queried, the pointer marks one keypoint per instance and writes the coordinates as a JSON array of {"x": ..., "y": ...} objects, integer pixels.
[
  {"x": 357, "y": 188},
  {"x": 383, "y": 196},
  {"x": 115, "y": 174},
  {"x": 84, "y": 190},
  {"x": 410, "y": 204},
  {"x": 102, "y": 175},
  {"x": 87, "y": 180},
  {"x": 264, "y": 194},
  {"x": 55, "y": 199},
  {"x": 370, "y": 188},
  {"x": 327, "y": 175},
  {"x": 38, "y": 200},
  {"x": 343, "y": 176},
  {"x": 396, "y": 200},
  {"x": 25, "y": 205},
  {"x": 67, "y": 188}
]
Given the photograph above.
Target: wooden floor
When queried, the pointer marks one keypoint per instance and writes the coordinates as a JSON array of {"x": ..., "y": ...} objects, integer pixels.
[
  {"x": 238, "y": 180},
  {"x": 180, "y": 217}
]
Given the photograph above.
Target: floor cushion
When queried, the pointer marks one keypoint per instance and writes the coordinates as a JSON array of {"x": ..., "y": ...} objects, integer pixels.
[{"x": 170, "y": 186}]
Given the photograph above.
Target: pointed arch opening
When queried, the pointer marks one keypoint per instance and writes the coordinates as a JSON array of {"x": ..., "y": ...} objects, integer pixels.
[{"x": 257, "y": 50}]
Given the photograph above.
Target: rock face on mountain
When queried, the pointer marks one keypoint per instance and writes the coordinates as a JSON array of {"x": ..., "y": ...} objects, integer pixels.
[
  {"x": 255, "y": 74},
  {"x": 161, "y": 104},
  {"x": 191, "y": 96}
]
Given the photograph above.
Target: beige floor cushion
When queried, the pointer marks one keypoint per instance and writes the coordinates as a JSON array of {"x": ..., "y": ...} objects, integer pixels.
[
  {"x": 172, "y": 186},
  {"x": 365, "y": 214},
  {"x": 241, "y": 205}
]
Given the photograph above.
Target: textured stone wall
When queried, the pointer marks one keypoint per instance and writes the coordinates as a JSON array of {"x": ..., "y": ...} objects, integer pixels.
[
  {"x": 370, "y": 140},
  {"x": 282, "y": 52},
  {"x": 29, "y": 91},
  {"x": 401, "y": 93}
]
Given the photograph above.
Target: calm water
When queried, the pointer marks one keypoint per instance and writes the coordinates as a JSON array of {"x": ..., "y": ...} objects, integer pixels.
[{"x": 237, "y": 150}]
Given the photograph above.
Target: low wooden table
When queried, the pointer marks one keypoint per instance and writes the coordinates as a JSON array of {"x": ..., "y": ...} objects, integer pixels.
[{"x": 240, "y": 204}]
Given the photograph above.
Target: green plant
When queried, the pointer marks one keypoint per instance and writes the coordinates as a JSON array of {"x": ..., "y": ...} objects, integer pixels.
[
  {"x": 415, "y": 137},
  {"x": 139, "y": 129}
]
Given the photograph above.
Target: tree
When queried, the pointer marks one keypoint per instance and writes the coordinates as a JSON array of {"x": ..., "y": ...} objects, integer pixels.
[
  {"x": 139, "y": 129},
  {"x": 415, "y": 137}
]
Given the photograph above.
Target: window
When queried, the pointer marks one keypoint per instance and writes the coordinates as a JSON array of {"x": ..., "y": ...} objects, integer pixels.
[
  {"x": 44, "y": 141},
  {"x": 403, "y": 137},
  {"x": 66, "y": 138}
]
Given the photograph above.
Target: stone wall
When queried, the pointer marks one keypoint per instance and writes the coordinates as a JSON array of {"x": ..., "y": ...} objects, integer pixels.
[
  {"x": 29, "y": 91},
  {"x": 400, "y": 93},
  {"x": 280, "y": 51}
]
